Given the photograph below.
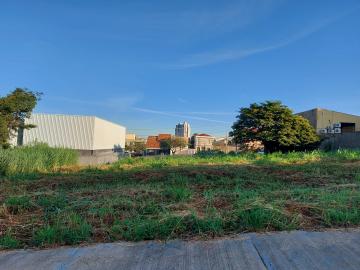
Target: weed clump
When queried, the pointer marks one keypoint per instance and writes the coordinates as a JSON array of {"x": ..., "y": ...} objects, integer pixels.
[
  {"x": 68, "y": 229},
  {"x": 9, "y": 242},
  {"x": 35, "y": 158}
]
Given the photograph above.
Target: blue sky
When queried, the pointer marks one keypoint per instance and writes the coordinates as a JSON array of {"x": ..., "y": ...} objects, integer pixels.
[{"x": 150, "y": 64}]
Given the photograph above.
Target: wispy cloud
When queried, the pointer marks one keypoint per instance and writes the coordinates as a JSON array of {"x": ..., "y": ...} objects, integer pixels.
[
  {"x": 148, "y": 21},
  {"x": 180, "y": 115},
  {"x": 208, "y": 58},
  {"x": 127, "y": 103},
  {"x": 209, "y": 113},
  {"x": 118, "y": 103}
]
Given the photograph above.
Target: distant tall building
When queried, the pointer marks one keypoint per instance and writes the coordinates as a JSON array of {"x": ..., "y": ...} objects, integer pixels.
[{"x": 183, "y": 130}]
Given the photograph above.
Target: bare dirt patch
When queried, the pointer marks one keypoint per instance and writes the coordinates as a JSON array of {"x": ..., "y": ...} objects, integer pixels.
[{"x": 149, "y": 175}]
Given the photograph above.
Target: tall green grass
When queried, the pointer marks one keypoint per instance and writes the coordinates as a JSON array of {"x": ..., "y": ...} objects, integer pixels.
[
  {"x": 35, "y": 158},
  {"x": 219, "y": 158}
]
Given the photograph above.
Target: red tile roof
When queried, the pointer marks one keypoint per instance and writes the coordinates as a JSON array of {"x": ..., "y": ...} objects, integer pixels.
[
  {"x": 153, "y": 142},
  {"x": 164, "y": 137}
]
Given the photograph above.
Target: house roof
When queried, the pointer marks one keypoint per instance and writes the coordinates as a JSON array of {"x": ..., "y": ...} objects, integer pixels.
[
  {"x": 326, "y": 110},
  {"x": 153, "y": 142},
  {"x": 203, "y": 135},
  {"x": 164, "y": 137}
]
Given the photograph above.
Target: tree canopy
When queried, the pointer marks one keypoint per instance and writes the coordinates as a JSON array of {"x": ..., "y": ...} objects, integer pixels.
[
  {"x": 136, "y": 147},
  {"x": 174, "y": 144},
  {"x": 14, "y": 109},
  {"x": 275, "y": 125}
]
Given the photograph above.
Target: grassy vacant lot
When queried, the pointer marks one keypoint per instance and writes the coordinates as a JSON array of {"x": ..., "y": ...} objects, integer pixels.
[{"x": 183, "y": 197}]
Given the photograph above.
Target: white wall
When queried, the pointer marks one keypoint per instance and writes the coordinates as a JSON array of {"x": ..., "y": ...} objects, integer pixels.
[
  {"x": 107, "y": 135},
  {"x": 13, "y": 140},
  {"x": 76, "y": 132}
]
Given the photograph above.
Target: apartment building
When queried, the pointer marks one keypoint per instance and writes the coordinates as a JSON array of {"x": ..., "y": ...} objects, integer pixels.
[{"x": 183, "y": 130}]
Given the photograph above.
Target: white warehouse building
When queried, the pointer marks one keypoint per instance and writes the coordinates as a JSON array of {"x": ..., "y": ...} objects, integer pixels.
[{"x": 98, "y": 140}]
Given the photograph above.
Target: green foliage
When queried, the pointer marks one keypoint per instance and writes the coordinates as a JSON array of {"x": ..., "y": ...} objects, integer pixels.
[
  {"x": 35, "y": 158},
  {"x": 136, "y": 147},
  {"x": 47, "y": 236},
  {"x": 215, "y": 157},
  {"x": 260, "y": 217},
  {"x": 68, "y": 229},
  {"x": 173, "y": 144},
  {"x": 177, "y": 143},
  {"x": 14, "y": 109},
  {"x": 141, "y": 228},
  {"x": 51, "y": 204},
  {"x": 165, "y": 144},
  {"x": 9, "y": 242},
  {"x": 18, "y": 203},
  {"x": 4, "y": 133},
  {"x": 211, "y": 224},
  {"x": 176, "y": 193},
  {"x": 275, "y": 125},
  {"x": 342, "y": 208},
  {"x": 211, "y": 153}
]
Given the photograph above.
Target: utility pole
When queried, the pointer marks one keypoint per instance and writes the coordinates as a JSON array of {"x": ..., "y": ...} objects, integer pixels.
[{"x": 226, "y": 143}]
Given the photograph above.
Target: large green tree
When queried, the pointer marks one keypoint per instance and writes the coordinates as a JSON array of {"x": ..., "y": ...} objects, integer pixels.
[
  {"x": 275, "y": 125},
  {"x": 14, "y": 109}
]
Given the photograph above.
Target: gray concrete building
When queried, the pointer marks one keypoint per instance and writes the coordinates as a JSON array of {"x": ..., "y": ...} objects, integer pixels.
[
  {"x": 327, "y": 121},
  {"x": 338, "y": 130}
]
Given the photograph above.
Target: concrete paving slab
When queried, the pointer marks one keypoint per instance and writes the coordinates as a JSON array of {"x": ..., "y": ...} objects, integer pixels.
[
  {"x": 309, "y": 250},
  {"x": 284, "y": 250}
]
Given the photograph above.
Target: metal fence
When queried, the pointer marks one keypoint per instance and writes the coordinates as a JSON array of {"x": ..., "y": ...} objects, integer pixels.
[{"x": 341, "y": 141}]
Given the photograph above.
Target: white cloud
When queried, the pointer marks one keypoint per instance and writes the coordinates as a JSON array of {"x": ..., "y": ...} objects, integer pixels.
[
  {"x": 211, "y": 113},
  {"x": 208, "y": 58},
  {"x": 183, "y": 115}
]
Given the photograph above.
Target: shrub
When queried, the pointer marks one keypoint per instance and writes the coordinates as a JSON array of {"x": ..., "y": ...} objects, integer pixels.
[{"x": 210, "y": 153}]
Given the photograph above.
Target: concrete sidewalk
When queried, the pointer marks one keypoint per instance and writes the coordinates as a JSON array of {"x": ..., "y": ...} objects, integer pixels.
[{"x": 293, "y": 250}]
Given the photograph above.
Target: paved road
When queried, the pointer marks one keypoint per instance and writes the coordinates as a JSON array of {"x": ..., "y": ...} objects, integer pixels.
[{"x": 294, "y": 250}]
